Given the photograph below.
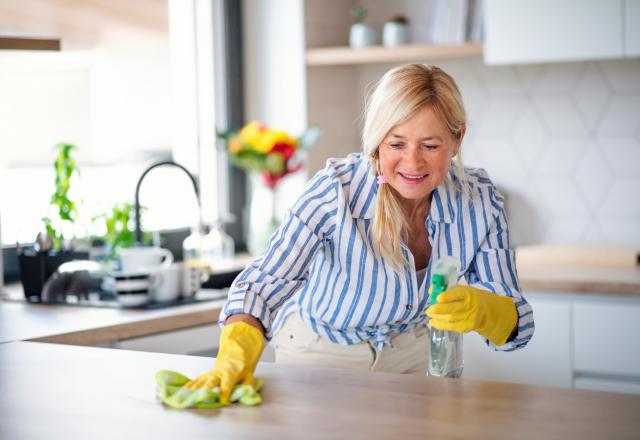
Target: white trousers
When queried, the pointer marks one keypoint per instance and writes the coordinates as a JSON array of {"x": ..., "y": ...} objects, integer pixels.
[{"x": 296, "y": 343}]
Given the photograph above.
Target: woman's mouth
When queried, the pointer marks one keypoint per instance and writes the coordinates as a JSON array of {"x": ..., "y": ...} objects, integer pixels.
[{"x": 412, "y": 179}]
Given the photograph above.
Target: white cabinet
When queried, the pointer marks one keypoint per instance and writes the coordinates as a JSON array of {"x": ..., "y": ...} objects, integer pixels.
[
  {"x": 581, "y": 341},
  {"x": 525, "y": 31},
  {"x": 632, "y": 28},
  {"x": 546, "y": 360},
  {"x": 606, "y": 339}
]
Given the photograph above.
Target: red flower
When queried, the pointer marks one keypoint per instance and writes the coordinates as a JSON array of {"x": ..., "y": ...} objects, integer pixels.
[{"x": 287, "y": 150}]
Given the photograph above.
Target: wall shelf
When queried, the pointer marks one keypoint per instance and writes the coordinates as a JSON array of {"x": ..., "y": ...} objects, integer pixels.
[
  {"x": 333, "y": 56},
  {"x": 19, "y": 43}
]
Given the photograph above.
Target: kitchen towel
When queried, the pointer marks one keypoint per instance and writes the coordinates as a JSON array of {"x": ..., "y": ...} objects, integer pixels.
[{"x": 169, "y": 389}]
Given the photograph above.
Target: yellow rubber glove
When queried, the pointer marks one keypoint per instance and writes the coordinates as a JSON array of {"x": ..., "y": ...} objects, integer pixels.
[
  {"x": 463, "y": 309},
  {"x": 241, "y": 345}
]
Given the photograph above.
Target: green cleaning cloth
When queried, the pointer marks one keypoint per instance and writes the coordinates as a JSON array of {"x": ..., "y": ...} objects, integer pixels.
[{"x": 169, "y": 390}]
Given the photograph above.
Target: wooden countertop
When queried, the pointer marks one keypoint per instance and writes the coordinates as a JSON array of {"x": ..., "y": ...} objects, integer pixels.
[
  {"x": 91, "y": 325},
  {"x": 580, "y": 279},
  {"x": 51, "y": 390},
  {"x": 582, "y": 269}
]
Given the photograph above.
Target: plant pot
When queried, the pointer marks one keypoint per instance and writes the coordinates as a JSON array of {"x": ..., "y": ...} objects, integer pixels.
[
  {"x": 362, "y": 35},
  {"x": 395, "y": 34},
  {"x": 36, "y": 268}
]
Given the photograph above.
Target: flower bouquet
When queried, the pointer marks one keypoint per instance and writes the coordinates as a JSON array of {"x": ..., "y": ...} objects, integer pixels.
[
  {"x": 271, "y": 152},
  {"x": 269, "y": 155}
]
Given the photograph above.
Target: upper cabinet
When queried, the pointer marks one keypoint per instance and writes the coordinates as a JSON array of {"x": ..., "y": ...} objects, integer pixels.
[
  {"x": 632, "y": 28},
  {"x": 524, "y": 31}
]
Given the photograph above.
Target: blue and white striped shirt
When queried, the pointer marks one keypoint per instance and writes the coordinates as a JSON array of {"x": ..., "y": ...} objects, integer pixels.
[{"x": 322, "y": 263}]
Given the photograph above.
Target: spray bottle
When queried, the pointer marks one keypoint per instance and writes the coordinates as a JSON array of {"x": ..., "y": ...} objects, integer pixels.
[{"x": 445, "y": 348}]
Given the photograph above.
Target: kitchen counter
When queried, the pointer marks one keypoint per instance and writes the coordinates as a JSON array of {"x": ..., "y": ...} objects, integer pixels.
[
  {"x": 91, "y": 325},
  {"x": 579, "y": 269},
  {"x": 51, "y": 390},
  {"x": 580, "y": 279}
]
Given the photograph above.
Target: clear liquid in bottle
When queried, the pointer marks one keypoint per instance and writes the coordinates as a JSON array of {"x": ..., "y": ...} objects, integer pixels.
[{"x": 445, "y": 347}]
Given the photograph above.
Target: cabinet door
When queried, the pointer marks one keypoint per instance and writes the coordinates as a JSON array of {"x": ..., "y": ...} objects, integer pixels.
[
  {"x": 546, "y": 360},
  {"x": 632, "y": 28},
  {"x": 606, "y": 336},
  {"x": 525, "y": 31}
]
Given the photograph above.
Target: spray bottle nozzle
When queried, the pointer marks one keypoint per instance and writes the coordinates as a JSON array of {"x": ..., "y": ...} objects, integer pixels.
[{"x": 438, "y": 285}]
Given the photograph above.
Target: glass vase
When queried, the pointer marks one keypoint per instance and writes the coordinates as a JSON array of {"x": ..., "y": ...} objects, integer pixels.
[{"x": 262, "y": 215}]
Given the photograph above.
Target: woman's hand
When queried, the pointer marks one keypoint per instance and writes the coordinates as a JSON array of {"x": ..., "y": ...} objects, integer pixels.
[
  {"x": 241, "y": 346},
  {"x": 463, "y": 309}
]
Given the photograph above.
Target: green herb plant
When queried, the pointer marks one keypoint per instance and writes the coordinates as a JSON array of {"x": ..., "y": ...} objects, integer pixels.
[
  {"x": 358, "y": 14},
  {"x": 119, "y": 232},
  {"x": 65, "y": 169}
]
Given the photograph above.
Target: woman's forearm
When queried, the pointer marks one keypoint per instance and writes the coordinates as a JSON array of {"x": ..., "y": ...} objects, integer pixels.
[{"x": 244, "y": 317}]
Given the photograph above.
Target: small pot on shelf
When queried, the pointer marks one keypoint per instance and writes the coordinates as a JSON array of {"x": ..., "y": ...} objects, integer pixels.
[
  {"x": 361, "y": 34},
  {"x": 395, "y": 32}
]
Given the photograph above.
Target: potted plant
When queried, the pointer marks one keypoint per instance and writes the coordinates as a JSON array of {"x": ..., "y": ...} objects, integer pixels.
[
  {"x": 361, "y": 34},
  {"x": 395, "y": 31},
  {"x": 53, "y": 245}
]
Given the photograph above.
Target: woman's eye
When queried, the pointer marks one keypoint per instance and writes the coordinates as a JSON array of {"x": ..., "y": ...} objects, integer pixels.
[
  {"x": 429, "y": 147},
  {"x": 395, "y": 145}
]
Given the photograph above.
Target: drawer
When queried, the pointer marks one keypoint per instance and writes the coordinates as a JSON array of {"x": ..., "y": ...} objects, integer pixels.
[
  {"x": 606, "y": 337},
  {"x": 613, "y": 385}
]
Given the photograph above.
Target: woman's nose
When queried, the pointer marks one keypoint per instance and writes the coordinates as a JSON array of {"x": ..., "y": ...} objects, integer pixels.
[{"x": 415, "y": 156}]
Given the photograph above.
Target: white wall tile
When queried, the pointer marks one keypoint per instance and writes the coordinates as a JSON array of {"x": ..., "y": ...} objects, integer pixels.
[
  {"x": 501, "y": 161},
  {"x": 622, "y": 231},
  {"x": 622, "y": 115},
  {"x": 501, "y": 81},
  {"x": 622, "y": 74},
  {"x": 621, "y": 200},
  {"x": 560, "y": 115},
  {"x": 558, "y": 78},
  {"x": 560, "y": 156},
  {"x": 530, "y": 74},
  {"x": 529, "y": 137},
  {"x": 592, "y": 94},
  {"x": 622, "y": 154},
  {"x": 593, "y": 176},
  {"x": 499, "y": 116},
  {"x": 562, "y": 197}
]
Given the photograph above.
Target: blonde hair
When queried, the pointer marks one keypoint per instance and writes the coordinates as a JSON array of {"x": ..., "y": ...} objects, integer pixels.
[{"x": 398, "y": 96}]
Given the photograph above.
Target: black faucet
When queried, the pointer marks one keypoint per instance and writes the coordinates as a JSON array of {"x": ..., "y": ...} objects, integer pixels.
[{"x": 196, "y": 188}]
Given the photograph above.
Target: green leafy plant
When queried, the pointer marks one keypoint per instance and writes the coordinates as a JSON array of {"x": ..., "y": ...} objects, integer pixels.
[
  {"x": 119, "y": 232},
  {"x": 65, "y": 169},
  {"x": 358, "y": 14}
]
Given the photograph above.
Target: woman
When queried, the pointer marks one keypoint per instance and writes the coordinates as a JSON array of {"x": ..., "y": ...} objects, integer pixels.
[{"x": 345, "y": 279}]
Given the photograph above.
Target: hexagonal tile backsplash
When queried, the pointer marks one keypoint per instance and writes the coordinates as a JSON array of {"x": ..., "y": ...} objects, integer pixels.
[{"x": 562, "y": 142}]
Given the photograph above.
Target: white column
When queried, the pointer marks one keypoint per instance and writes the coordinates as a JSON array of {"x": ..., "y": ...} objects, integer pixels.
[
  {"x": 192, "y": 69},
  {"x": 274, "y": 69}
]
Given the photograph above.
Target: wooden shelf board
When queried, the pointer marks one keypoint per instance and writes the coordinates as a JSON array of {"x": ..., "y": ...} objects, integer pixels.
[
  {"x": 329, "y": 56},
  {"x": 16, "y": 43}
]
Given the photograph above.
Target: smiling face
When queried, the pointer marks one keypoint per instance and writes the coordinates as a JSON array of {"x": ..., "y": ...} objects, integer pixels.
[{"x": 415, "y": 156}]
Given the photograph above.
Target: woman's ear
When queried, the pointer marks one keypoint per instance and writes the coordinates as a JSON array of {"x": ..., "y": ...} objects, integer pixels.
[{"x": 456, "y": 150}]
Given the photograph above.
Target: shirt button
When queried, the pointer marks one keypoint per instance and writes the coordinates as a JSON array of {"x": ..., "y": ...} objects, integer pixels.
[
  {"x": 241, "y": 285},
  {"x": 409, "y": 307}
]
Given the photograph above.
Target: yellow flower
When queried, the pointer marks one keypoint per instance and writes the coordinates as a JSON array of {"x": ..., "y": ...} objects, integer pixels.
[
  {"x": 251, "y": 133},
  {"x": 270, "y": 138}
]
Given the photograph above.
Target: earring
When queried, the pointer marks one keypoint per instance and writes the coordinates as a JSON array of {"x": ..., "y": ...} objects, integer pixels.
[{"x": 381, "y": 180}]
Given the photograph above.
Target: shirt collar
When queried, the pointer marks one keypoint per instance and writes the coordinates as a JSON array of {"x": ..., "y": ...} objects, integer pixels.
[{"x": 364, "y": 183}]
